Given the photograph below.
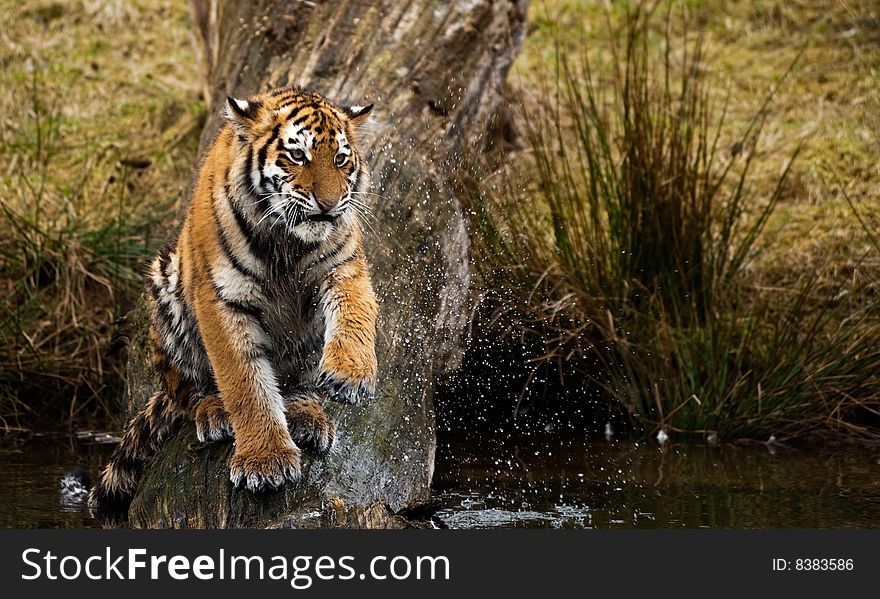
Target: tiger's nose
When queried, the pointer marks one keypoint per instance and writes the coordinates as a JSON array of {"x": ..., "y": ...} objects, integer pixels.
[{"x": 326, "y": 205}]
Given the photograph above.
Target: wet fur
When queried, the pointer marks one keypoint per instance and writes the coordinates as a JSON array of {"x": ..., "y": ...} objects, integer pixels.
[{"x": 262, "y": 307}]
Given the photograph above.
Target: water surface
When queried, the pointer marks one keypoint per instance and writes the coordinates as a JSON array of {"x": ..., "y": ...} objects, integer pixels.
[
  {"x": 547, "y": 481},
  {"x": 31, "y": 467},
  {"x": 566, "y": 481}
]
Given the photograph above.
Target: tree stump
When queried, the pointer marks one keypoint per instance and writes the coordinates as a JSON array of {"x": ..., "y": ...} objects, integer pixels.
[{"x": 435, "y": 70}]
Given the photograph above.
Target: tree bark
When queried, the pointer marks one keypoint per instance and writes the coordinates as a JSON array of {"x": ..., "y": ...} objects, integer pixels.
[{"x": 435, "y": 70}]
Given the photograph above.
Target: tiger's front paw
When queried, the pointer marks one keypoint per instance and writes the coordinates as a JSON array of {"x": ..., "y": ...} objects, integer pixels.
[
  {"x": 212, "y": 420},
  {"x": 265, "y": 471},
  {"x": 347, "y": 389},
  {"x": 308, "y": 423}
]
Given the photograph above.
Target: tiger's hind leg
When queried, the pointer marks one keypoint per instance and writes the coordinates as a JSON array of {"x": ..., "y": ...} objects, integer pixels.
[
  {"x": 308, "y": 423},
  {"x": 212, "y": 419}
]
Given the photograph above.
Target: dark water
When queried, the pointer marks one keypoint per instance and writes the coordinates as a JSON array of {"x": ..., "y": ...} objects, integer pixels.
[
  {"x": 31, "y": 468},
  {"x": 546, "y": 480},
  {"x": 551, "y": 481}
]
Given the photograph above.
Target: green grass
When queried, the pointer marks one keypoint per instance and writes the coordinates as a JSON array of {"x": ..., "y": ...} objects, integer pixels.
[{"x": 628, "y": 259}]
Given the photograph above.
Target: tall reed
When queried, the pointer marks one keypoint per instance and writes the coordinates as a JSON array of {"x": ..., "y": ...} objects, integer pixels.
[{"x": 623, "y": 253}]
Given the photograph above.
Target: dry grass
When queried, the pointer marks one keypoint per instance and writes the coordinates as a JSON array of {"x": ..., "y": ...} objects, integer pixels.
[
  {"x": 830, "y": 105},
  {"x": 787, "y": 341},
  {"x": 91, "y": 91},
  {"x": 101, "y": 116}
]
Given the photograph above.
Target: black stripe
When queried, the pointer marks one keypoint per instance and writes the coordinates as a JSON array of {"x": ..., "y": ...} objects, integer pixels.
[
  {"x": 287, "y": 102},
  {"x": 250, "y": 166},
  {"x": 280, "y": 98},
  {"x": 257, "y": 352},
  {"x": 227, "y": 249},
  {"x": 242, "y": 307},
  {"x": 304, "y": 248},
  {"x": 166, "y": 329},
  {"x": 327, "y": 256},
  {"x": 248, "y": 309},
  {"x": 302, "y": 119},
  {"x": 326, "y": 268},
  {"x": 247, "y": 176},
  {"x": 241, "y": 220},
  {"x": 264, "y": 150},
  {"x": 164, "y": 261},
  {"x": 258, "y": 248},
  {"x": 154, "y": 291},
  {"x": 281, "y": 91},
  {"x": 163, "y": 310},
  {"x": 275, "y": 132},
  {"x": 236, "y": 264},
  {"x": 346, "y": 260},
  {"x": 339, "y": 240},
  {"x": 165, "y": 322}
]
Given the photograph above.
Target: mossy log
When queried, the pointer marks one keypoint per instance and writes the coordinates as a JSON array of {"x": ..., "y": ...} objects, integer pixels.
[{"x": 435, "y": 70}]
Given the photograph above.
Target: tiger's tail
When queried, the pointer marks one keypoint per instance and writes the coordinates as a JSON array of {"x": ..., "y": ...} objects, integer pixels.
[{"x": 144, "y": 434}]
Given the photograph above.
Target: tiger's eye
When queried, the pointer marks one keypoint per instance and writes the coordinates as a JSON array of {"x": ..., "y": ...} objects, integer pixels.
[
  {"x": 341, "y": 160},
  {"x": 298, "y": 155}
]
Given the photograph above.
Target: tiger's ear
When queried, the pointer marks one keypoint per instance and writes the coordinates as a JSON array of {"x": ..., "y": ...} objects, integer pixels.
[
  {"x": 241, "y": 112},
  {"x": 359, "y": 115}
]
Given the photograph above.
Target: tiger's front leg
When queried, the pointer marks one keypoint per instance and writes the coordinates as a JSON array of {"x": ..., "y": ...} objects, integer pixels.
[
  {"x": 237, "y": 347},
  {"x": 347, "y": 370}
]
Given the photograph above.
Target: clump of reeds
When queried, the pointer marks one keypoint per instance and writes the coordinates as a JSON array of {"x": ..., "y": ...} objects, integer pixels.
[
  {"x": 73, "y": 239},
  {"x": 624, "y": 250}
]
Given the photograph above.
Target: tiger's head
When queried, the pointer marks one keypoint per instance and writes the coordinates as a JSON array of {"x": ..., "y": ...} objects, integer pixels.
[{"x": 297, "y": 151}]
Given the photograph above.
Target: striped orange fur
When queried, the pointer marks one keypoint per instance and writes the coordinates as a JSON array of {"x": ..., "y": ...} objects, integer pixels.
[{"x": 262, "y": 306}]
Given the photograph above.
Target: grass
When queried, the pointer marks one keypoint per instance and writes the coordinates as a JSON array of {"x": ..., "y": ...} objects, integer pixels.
[
  {"x": 101, "y": 114},
  {"x": 630, "y": 251},
  {"x": 99, "y": 132},
  {"x": 828, "y": 105}
]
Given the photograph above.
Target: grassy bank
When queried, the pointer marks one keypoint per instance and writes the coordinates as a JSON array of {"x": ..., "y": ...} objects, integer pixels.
[
  {"x": 680, "y": 236},
  {"x": 101, "y": 117},
  {"x": 697, "y": 258}
]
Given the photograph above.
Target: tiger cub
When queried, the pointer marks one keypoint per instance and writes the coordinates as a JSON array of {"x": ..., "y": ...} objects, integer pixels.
[{"x": 263, "y": 304}]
